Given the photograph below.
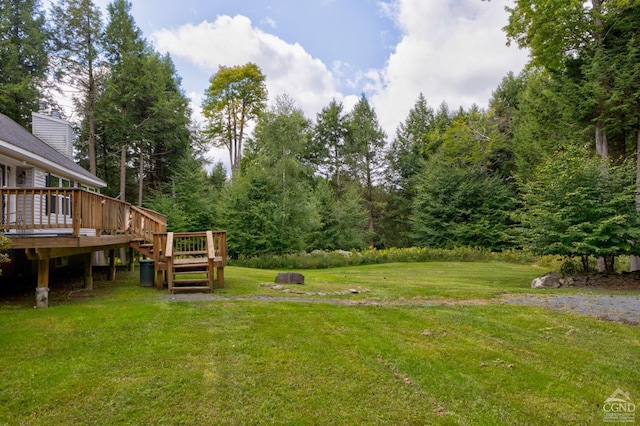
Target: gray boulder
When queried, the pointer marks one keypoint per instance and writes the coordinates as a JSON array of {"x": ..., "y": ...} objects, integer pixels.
[
  {"x": 289, "y": 278},
  {"x": 550, "y": 280}
]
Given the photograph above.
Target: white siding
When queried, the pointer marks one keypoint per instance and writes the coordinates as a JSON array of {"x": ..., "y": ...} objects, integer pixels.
[{"x": 55, "y": 132}]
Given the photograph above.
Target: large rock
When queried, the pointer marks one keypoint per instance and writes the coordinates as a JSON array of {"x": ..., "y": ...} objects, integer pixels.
[
  {"x": 550, "y": 280},
  {"x": 289, "y": 278}
]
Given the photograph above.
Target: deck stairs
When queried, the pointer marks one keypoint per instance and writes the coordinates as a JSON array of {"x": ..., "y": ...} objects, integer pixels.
[{"x": 186, "y": 261}]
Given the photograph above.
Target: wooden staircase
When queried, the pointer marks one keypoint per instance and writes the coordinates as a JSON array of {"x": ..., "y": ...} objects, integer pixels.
[{"x": 187, "y": 261}]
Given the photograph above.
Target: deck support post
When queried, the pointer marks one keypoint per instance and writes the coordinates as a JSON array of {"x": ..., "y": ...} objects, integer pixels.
[
  {"x": 220, "y": 277},
  {"x": 159, "y": 279},
  {"x": 131, "y": 264},
  {"x": 88, "y": 271},
  {"x": 42, "y": 291},
  {"x": 111, "y": 276}
]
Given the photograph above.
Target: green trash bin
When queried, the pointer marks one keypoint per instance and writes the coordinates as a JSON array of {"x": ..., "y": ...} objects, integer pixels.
[{"x": 146, "y": 272}]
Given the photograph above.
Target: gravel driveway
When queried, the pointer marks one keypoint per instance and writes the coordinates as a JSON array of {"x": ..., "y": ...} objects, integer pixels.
[
  {"x": 608, "y": 307},
  {"x": 614, "y": 308}
]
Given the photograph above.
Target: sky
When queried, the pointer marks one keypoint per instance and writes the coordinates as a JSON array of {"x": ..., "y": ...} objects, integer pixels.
[{"x": 318, "y": 50}]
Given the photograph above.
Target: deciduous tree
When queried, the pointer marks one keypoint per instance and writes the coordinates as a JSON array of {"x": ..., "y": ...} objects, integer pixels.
[
  {"x": 580, "y": 205},
  {"x": 235, "y": 97}
]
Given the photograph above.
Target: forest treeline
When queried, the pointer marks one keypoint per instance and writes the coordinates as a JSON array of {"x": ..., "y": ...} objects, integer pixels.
[{"x": 549, "y": 166}]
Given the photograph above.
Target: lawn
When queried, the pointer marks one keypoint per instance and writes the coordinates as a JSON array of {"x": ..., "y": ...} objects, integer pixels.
[{"x": 131, "y": 355}]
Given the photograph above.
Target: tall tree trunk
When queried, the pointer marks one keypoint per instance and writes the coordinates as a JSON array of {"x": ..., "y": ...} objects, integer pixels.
[
  {"x": 602, "y": 144},
  {"x": 140, "y": 178},
  {"x": 602, "y": 148},
  {"x": 91, "y": 100},
  {"x": 370, "y": 202},
  {"x": 634, "y": 261},
  {"x": 123, "y": 171}
]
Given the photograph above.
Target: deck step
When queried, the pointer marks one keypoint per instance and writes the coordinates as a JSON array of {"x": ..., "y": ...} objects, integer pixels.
[
  {"x": 186, "y": 278},
  {"x": 191, "y": 288},
  {"x": 194, "y": 272}
]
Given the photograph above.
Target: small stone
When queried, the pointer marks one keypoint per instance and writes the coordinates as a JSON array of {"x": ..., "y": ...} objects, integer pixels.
[
  {"x": 354, "y": 291},
  {"x": 277, "y": 287}
]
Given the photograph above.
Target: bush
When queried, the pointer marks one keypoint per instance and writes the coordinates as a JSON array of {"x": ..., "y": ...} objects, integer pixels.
[
  {"x": 320, "y": 259},
  {"x": 5, "y": 243}
]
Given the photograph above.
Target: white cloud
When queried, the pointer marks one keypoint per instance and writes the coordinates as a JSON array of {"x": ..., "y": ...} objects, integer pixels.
[
  {"x": 451, "y": 51},
  {"x": 269, "y": 22},
  {"x": 231, "y": 41}
]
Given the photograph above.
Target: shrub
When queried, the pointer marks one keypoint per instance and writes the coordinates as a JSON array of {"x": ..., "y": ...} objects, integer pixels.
[
  {"x": 320, "y": 259},
  {"x": 5, "y": 243}
]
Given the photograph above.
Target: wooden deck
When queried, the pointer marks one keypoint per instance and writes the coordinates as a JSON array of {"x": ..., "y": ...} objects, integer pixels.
[{"x": 48, "y": 223}]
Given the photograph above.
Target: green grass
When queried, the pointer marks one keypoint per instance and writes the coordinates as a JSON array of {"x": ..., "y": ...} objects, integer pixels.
[{"x": 130, "y": 356}]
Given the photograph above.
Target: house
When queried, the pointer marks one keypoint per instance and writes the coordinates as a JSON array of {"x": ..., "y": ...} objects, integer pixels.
[
  {"x": 51, "y": 207},
  {"x": 29, "y": 161},
  {"x": 52, "y": 210}
]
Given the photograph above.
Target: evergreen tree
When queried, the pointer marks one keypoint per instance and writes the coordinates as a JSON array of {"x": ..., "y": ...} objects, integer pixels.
[
  {"x": 404, "y": 161},
  {"x": 463, "y": 196},
  {"x": 23, "y": 58},
  {"x": 77, "y": 28},
  {"x": 365, "y": 148},
  {"x": 457, "y": 206},
  {"x": 269, "y": 208},
  {"x": 143, "y": 113},
  {"x": 544, "y": 123},
  {"x": 188, "y": 200},
  {"x": 328, "y": 151},
  {"x": 342, "y": 221}
]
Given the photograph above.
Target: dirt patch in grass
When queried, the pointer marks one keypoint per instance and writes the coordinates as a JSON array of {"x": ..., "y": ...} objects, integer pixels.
[{"x": 64, "y": 286}]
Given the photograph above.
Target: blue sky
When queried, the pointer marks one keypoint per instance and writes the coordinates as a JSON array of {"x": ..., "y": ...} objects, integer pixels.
[{"x": 317, "y": 50}]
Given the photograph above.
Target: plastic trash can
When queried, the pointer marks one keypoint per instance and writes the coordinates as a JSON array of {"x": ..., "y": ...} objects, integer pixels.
[{"x": 146, "y": 272}]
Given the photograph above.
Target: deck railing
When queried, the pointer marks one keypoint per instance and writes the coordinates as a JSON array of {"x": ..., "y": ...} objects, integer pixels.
[{"x": 75, "y": 211}]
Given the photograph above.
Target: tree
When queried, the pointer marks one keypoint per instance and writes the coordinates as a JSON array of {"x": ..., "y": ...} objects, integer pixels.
[
  {"x": 456, "y": 206},
  {"x": 327, "y": 150},
  {"x": 404, "y": 159},
  {"x": 77, "y": 27},
  {"x": 365, "y": 148},
  {"x": 406, "y": 151},
  {"x": 117, "y": 108},
  {"x": 342, "y": 220},
  {"x": 188, "y": 200},
  {"x": 543, "y": 123},
  {"x": 121, "y": 36},
  {"x": 463, "y": 195},
  {"x": 269, "y": 209},
  {"x": 505, "y": 101},
  {"x": 236, "y": 96},
  {"x": 23, "y": 58},
  {"x": 578, "y": 41},
  {"x": 143, "y": 113},
  {"x": 581, "y": 206},
  {"x": 572, "y": 38}
]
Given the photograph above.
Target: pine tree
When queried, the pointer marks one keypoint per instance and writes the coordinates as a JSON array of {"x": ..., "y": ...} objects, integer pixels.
[
  {"x": 23, "y": 58},
  {"x": 77, "y": 28},
  {"x": 365, "y": 150}
]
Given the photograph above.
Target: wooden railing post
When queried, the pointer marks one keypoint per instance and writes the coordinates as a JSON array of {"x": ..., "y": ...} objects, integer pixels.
[
  {"x": 76, "y": 212},
  {"x": 168, "y": 253}
]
